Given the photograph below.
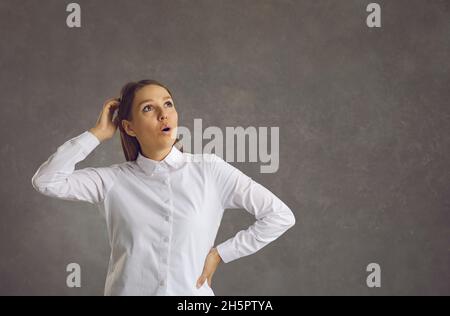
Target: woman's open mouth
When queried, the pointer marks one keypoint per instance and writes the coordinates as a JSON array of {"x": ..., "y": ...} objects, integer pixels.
[{"x": 166, "y": 130}]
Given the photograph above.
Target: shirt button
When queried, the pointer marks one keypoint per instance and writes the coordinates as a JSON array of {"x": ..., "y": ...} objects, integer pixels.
[
  {"x": 166, "y": 218},
  {"x": 166, "y": 239},
  {"x": 161, "y": 283}
]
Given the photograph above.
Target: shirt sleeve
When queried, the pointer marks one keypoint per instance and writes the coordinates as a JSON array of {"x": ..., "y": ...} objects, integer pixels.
[
  {"x": 237, "y": 190},
  {"x": 58, "y": 178}
]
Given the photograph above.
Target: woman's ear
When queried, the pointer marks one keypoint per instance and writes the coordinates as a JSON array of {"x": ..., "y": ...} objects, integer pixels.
[{"x": 127, "y": 128}]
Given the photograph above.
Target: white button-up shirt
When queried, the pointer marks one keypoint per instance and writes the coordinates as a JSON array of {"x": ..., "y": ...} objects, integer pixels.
[{"x": 163, "y": 216}]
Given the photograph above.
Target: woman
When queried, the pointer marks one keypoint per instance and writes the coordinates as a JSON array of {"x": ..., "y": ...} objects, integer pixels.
[{"x": 162, "y": 207}]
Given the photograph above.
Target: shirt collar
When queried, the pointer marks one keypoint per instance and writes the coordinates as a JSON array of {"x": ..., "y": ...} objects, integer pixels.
[{"x": 150, "y": 166}]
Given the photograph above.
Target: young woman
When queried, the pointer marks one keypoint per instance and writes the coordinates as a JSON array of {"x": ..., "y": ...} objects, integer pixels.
[{"x": 163, "y": 207}]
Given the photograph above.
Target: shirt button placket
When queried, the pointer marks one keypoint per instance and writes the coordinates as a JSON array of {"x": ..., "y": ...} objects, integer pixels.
[{"x": 165, "y": 239}]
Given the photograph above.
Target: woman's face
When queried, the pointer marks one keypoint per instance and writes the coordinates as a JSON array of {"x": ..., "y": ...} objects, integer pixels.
[{"x": 152, "y": 110}]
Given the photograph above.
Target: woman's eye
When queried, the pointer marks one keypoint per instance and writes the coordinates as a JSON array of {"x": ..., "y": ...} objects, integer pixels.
[
  {"x": 169, "y": 104},
  {"x": 147, "y": 106}
]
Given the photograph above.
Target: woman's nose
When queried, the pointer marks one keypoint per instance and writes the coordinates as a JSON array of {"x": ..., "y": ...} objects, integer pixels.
[{"x": 162, "y": 116}]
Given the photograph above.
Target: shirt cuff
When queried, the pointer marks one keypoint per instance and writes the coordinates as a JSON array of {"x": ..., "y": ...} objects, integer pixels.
[
  {"x": 88, "y": 141},
  {"x": 227, "y": 252}
]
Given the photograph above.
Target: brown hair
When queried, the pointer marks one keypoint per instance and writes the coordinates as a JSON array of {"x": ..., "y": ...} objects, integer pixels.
[{"x": 130, "y": 144}]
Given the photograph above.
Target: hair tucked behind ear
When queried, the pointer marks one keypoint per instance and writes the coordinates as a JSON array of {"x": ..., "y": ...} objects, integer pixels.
[{"x": 130, "y": 144}]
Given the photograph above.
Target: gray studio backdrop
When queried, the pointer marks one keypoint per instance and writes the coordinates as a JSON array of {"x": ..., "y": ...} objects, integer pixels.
[{"x": 364, "y": 122}]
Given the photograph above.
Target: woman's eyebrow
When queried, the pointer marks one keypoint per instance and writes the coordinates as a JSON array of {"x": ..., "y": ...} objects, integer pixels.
[{"x": 165, "y": 98}]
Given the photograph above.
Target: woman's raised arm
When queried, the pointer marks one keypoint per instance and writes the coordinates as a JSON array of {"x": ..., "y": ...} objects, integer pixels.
[{"x": 57, "y": 176}]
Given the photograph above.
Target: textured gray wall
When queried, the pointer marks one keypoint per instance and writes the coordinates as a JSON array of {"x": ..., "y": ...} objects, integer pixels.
[{"x": 364, "y": 125}]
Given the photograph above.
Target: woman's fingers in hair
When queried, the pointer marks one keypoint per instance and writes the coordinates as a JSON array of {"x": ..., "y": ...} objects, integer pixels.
[
  {"x": 113, "y": 102},
  {"x": 111, "y": 107}
]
